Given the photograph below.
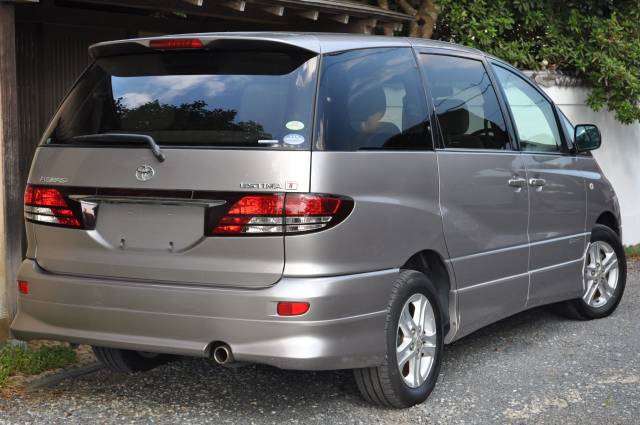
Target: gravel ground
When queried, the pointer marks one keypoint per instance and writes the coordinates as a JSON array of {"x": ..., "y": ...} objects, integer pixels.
[{"x": 535, "y": 367}]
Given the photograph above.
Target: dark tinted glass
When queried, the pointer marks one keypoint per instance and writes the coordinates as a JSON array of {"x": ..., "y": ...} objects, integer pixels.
[
  {"x": 466, "y": 104},
  {"x": 227, "y": 99},
  {"x": 371, "y": 99}
]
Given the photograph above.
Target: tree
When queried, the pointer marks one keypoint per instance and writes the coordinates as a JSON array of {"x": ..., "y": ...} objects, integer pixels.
[
  {"x": 424, "y": 12},
  {"x": 596, "y": 41}
]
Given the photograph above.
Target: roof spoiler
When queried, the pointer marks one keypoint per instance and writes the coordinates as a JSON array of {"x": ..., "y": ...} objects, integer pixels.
[{"x": 297, "y": 42}]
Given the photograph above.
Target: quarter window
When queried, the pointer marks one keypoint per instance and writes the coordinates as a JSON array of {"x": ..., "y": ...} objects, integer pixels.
[
  {"x": 371, "y": 99},
  {"x": 466, "y": 103},
  {"x": 532, "y": 113}
]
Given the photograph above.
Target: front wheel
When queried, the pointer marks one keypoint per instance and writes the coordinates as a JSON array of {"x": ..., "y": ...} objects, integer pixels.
[
  {"x": 414, "y": 344},
  {"x": 604, "y": 276}
]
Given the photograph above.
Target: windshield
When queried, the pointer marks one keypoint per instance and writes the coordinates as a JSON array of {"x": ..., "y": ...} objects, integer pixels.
[{"x": 217, "y": 99}]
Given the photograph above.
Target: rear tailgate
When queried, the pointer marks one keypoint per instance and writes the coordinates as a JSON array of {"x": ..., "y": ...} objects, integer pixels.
[
  {"x": 163, "y": 240},
  {"x": 230, "y": 123}
]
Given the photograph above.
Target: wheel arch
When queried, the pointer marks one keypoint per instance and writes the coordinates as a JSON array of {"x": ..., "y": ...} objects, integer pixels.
[
  {"x": 608, "y": 219},
  {"x": 432, "y": 264}
]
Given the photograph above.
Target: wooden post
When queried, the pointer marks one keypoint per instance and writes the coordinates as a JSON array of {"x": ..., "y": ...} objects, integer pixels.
[{"x": 10, "y": 199}]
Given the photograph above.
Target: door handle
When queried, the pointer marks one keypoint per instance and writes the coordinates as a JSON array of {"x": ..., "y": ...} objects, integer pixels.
[
  {"x": 537, "y": 182},
  {"x": 517, "y": 182}
]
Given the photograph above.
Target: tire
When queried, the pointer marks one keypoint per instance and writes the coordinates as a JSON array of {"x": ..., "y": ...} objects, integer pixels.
[
  {"x": 580, "y": 308},
  {"x": 127, "y": 361},
  {"x": 386, "y": 385}
]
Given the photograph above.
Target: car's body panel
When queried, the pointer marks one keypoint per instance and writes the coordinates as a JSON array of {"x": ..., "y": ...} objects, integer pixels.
[
  {"x": 386, "y": 200},
  {"x": 485, "y": 228},
  {"x": 506, "y": 247},
  {"x": 185, "y": 320},
  {"x": 146, "y": 253}
]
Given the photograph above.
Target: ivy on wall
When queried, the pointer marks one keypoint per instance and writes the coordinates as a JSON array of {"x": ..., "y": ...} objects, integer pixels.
[{"x": 597, "y": 41}]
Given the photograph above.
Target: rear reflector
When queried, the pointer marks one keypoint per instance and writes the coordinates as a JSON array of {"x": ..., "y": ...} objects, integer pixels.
[
  {"x": 287, "y": 308},
  {"x": 176, "y": 43},
  {"x": 280, "y": 213},
  {"x": 48, "y": 205},
  {"x": 23, "y": 287}
]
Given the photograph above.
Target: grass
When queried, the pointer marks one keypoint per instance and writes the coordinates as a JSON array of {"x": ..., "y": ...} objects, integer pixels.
[
  {"x": 632, "y": 251},
  {"x": 32, "y": 361}
]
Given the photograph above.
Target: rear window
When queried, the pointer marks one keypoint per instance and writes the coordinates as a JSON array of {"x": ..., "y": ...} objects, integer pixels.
[{"x": 206, "y": 99}]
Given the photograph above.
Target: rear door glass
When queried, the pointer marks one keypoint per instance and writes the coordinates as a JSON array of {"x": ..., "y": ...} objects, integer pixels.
[
  {"x": 371, "y": 99},
  {"x": 206, "y": 99},
  {"x": 466, "y": 103}
]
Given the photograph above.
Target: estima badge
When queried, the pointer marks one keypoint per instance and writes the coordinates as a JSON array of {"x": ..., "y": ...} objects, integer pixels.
[{"x": 145, "y": 172}]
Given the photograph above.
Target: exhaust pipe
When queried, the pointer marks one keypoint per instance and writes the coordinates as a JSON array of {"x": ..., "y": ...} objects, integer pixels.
[{"x": 222, "y": 354}]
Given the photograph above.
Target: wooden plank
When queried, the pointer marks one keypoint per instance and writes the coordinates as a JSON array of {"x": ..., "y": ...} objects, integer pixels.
[
  {"x": 274, "y": 10},
  {"x": 310, "y": 14},
  {"x": 343, "y": 19},
  {"x": 10, "y": 199},
  {"x": 237, "y": 5}
]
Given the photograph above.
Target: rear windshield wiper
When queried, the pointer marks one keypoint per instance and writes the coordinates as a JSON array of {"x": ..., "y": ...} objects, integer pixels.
[{"x": 124, "y": 137}]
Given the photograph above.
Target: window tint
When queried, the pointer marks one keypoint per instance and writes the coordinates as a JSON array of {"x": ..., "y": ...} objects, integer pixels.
[
  {"x": 466, "y": 104},
  {"x": 532, "y": 113},
  {"x": 259, "y": 100},
  {"x": 371, "y": 99}
]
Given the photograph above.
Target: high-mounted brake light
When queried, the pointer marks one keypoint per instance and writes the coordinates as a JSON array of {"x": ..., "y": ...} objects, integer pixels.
[
  {"x": 176, "y": 43},
  {"x": 283, "y": 213},
  {"x": 48, "y": 205}
]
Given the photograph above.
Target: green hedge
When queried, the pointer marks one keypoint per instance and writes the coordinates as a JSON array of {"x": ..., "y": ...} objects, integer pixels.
[{"x": 594, "y": 40}]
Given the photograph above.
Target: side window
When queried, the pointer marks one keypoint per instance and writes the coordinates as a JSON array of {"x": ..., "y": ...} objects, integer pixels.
[
  {"x": 533, "y": 114},
  {"x": 371, "y": 99},
  {"x": 466, "y": 103}
]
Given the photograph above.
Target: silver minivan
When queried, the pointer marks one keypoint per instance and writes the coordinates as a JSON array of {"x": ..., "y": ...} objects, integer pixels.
[{"x": 309, "y": 202}]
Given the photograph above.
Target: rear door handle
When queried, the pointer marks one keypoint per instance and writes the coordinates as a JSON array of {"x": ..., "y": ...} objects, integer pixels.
[
  {"x": 537, "y": 182},
  {"x": 517, "y": 182}
]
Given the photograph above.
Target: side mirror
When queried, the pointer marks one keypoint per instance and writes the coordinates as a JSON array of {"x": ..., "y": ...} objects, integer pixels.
[{"x": 586, "y": 137}]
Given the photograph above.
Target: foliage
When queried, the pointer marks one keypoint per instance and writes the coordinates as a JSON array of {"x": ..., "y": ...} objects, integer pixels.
[
  {"x": 632, "y": 251},
  {"x": 15, "y": 359},
  {"x": 597, "y": 41}
]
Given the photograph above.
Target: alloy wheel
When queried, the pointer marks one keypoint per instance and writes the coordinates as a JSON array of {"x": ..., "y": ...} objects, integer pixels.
[
  {"x": 600, "y": 274},
  {"x": 416, "y": 340}
]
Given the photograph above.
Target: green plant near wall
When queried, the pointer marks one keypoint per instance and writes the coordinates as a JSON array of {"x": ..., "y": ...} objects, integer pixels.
[{"x": 597, "y": 41}]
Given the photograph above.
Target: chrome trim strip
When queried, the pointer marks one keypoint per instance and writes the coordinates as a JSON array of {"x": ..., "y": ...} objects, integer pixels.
[
  {"x": 147, "y": 200},
  {"x": 525, "y": 245},
  {"x": 557, "y": 266},
  {"x": 531, "y": 272},
  {"x": 491, "y": 282}
]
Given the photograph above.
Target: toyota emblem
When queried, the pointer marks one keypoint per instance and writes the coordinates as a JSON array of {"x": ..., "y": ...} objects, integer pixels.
[{"x": 145, "y": 172}]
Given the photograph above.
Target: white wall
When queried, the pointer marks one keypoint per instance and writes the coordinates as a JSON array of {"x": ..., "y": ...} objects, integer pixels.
[{"x": 619, "y": 156}]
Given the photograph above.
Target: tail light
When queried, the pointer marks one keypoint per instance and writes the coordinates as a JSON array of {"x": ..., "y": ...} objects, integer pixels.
[
  {"x": 48, "y": 205},
  {"x": 280, "y": 213}
]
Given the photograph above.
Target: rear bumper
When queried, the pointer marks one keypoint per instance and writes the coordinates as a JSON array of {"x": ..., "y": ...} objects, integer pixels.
[{"x": 344, "y": 327}]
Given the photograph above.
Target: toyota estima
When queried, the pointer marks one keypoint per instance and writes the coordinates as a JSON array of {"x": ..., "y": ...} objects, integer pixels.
[{"x": 309, "y": 202}]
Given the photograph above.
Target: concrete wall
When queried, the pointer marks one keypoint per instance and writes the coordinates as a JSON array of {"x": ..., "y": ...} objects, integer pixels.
[{"x": 619, "y": 156}]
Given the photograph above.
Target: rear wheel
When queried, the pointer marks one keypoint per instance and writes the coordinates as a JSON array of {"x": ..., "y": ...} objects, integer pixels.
[
  {"x": 128, "y": 361},
  {"x": 604, "y": 276},
  {"x": 414, "y": 346}
]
